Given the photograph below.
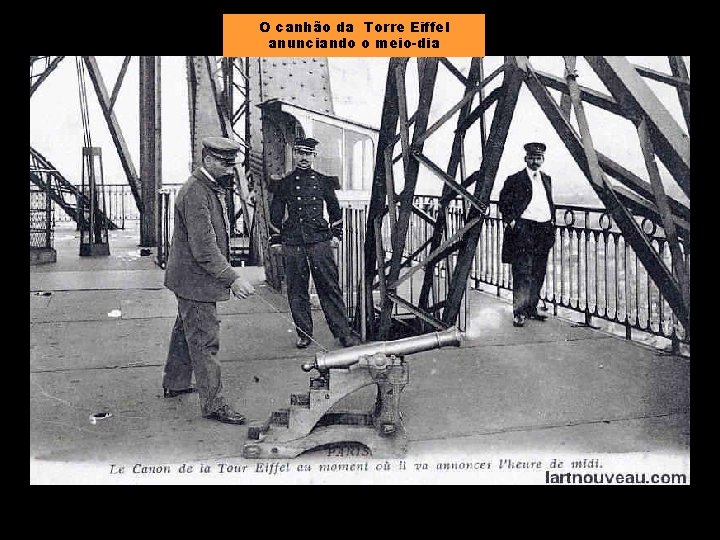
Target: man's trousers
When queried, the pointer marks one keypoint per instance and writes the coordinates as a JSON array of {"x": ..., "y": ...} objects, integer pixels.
[
  {"x": 194, "y": 344},
  {"x": 533, "y": 244},
  {"x": 316, "y": 259}
]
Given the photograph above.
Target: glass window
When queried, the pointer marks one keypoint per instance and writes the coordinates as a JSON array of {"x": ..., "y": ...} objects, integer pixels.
[
  {"x": 329, "y": 157},
  {"x": 359, "y": 160},
  {"x": 344, "y": 153}
]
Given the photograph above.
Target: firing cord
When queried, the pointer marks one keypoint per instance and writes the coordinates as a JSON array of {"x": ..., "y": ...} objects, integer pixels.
[{"x": 285, "y": 316}]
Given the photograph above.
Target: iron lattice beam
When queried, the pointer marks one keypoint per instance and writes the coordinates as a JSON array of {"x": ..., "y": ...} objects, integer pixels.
[
  {"x": 582, "y": 150},
  {"x": 668, "y": 223},
  {"x": 37, "y": 79},
  {"x": 451, "y": 189},
  {"x": 464, "y": 240},
  {"x": 59, "y": 186},
  {"x": 679, "y": 70},
  {"x": 680, "y": 83},
  {"x": 588, "y": 95},
  {"x": 427, "y": 72},
  {"x": 115, "y": 130},
  {"x": 224, "y": 106},
  {"x": 637, "y": 100},
  {"x": 483, "y": 186},
  {"x": 374, "y": 264},
  {"x": 119, "y": 81},
  {"x": 681, "y": 213},
  {"x": 629, "y": 98},
  {"x": 472, "y": 86}
]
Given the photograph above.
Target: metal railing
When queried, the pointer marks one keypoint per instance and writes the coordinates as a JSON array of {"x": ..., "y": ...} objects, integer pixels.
[
  {"x": 419, "y": 232},
  {"x": 41, "y": 220},
  {"x": 120, "y": 204},
  {"x": 591, "y": 270},
  {"x": 351, "y": 261}
]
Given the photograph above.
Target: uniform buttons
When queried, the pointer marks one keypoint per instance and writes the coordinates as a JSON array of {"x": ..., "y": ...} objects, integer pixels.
[
  {"x": 299, "y": 198},
  {"x": 312, "y": 177},
  {"x": 297, "y": 187},
  {"x": 297, "y": 178}
]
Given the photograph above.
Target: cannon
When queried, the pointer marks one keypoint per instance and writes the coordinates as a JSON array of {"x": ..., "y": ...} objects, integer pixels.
[{"x": 309, "y": 422}]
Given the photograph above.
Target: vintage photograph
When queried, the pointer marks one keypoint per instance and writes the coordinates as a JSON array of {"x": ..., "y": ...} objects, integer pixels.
[{"x": 355, "y": 270}]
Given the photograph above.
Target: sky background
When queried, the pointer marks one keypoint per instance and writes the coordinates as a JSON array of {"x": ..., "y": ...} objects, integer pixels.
[{"x": 358, "y": 87}]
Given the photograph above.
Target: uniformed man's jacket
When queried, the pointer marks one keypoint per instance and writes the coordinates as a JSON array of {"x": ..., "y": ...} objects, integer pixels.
[
  {"x": 302, "y": 193},
  {"x": 197, "y": 266}
]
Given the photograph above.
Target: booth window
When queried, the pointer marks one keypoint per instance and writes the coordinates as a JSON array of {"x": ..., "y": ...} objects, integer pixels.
[{"x": 344, "y": 153}]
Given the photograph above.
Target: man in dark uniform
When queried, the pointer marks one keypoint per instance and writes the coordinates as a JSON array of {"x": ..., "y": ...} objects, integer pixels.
[
  {"x": 528, "y": 211},
  {"x": 307, "y": 243},
  {"x": 199, "y": 274}
]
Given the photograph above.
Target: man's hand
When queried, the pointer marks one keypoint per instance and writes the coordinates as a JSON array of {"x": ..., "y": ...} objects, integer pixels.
[
  {"x": 335, "y": 242},
  {"x": 242, "y": 288},
  {"x": 275, "y": 244}
]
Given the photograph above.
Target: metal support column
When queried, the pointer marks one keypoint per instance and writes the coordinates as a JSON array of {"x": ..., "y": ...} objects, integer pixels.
[
  {"x": 448, "y": 193},
  {"x": 150, "y": 148},
  {"x": 679, "y": 70},
  {"x": 427, "y": 72},
  {"x": 389, "y": 119},
  {"x": 486, "y": 178},
  {"x": 114, "y": 127}
]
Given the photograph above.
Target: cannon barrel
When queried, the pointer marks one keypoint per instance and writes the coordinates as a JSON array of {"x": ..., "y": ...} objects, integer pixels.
[{"x": 345, "y": 358}]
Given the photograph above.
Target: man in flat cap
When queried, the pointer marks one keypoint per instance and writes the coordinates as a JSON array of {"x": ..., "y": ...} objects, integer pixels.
[
  {"x": 307, "y": 243},
  {"x": 199, "y": 274},
  {"x": 528, "y": 212}
]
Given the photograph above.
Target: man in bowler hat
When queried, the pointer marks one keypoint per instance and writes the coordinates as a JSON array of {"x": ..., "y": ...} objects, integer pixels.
[
  {"x": 307, "y": 240},
  {"x": 528, "y": 212},
  {"x": 199, "y": 274}
]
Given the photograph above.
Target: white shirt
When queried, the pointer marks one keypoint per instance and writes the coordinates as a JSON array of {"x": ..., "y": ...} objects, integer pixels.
[{"x": 538, "y": 209}]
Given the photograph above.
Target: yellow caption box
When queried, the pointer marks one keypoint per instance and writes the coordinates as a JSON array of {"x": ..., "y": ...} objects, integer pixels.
[{"x": 353, "y": 35}]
